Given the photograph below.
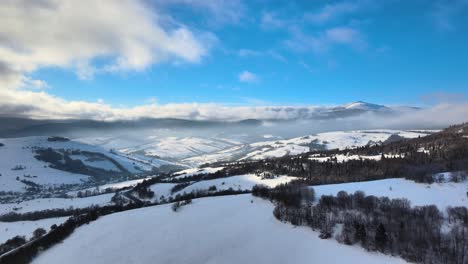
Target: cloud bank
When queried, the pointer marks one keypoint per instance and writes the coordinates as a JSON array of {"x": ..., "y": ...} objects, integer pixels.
[
  {"x": 122, "y": 35},
  {"x": 42, "y": 105}
]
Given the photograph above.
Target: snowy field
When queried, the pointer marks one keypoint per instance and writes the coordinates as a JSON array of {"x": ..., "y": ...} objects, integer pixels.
[
  {"x": 344, "y": 158},
  {"x": 112, "y": 186},
  {"x": 239, "y": 182},
  {"x": 195, "y": 171},
  {"x": 26, "y": 228},
  {"x": 17, "y": 160},
  {"x": 229, "y": 229},
  {"x": 179, "y": 147},
  {"x": 439, "y": 194},
  {"x": 55, "y": 203},
  {"x": 295, "y": 146}
]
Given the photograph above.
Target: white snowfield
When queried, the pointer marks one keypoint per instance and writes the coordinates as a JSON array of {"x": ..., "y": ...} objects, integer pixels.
[
  {"x": 112, "y": 186},
  {"x": 26, "y": 228},
  {"x": 239, "y": 182},
  {"x": 180, "y": 147},
  {"x": 162, "y": 189},
  {"x": 18, "y": 153},
  {"x": 195, "y": 171},
  {"x": 342, "y": 139},
  {"x": 440, "y": 194},
  {"x": 229, "y": 229},
  {"x": 55, "y": 203},
  {"x": 344, "y": 158},
  {"x": 295, "y": 146}
]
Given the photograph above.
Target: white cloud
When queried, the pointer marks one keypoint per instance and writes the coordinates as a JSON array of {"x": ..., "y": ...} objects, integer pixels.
[
  {"x": 270, "y": 20},
  {"x": 73, "y": 34},
  {"x": 42, "y": 105},
  {"x": 446, "y": 12},
  {"x": 219, "y": 11},
  {"x": 35, "y": 84},
  {"x": 331, "y": 11},
  {"x": 249, "y": 53},
  {"x": 248, "y": 77},
  {"x": 324, "y": 40}
]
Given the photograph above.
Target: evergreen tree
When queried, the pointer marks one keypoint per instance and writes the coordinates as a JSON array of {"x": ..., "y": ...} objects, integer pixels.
[{"x": 381, "y": 238}]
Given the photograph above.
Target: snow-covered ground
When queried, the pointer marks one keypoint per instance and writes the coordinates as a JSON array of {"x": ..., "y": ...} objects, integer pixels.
[
  {"x": 112, "y": 186},
  {"x": 162, "y": 189},
  {"x": 55, "y": 203},
  {"x": 18, "y": 153},
  {"x": 439, "y": 194},
  {"x": 229, "y": 229},
  {"x": 26, "y": 228},
  {"x": 195, "y": 171},
  {"x": 180, "y": 147},
  {"x": 240, "y": 182},
  {"x": 343, "y": 158},
  {"x": 294, "y": 146}
]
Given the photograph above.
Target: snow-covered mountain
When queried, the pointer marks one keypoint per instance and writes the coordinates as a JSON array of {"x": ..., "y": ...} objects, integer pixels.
[
  {"x": 109, "y": 159},
  {"x": 35, "y": 163},
  {"x": 360, "y": 105},
  {"x": 241, "y": 228},
  {"x": 294, "y": 146},
  {"x": 21, "y": 127}
]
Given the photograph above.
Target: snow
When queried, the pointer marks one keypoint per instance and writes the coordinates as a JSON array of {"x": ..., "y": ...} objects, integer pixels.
[
  {"x": 227, "y": 229},
  {"x": 162, "y": 189},
  {"x": 114, "y": 186},
  {"x": 439, "y": 194},
  {"x": 26, "y": 228},
  {"x": 123, "y": 184},
  {"x": 343, "y": 158},
  {"x": 17, "y": 152},
  {"x": 180, "y": 147},
  {"x": 96, "y": 163},
  {"x": 55, "y": 203},
  {"x": 299, "y": 145},
  {"x": 364, "y": 106},
  {"x": 240, "y": 182},
  {"x": 195, "y": 171}
]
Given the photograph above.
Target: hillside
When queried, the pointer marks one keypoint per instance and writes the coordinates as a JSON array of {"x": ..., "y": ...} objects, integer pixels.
[
  {"x": 294, "y": 146},
  {"x": 135, "y": 213},
  {"x": 225, "y": 230},
  {"x": 33, "y": 164}
]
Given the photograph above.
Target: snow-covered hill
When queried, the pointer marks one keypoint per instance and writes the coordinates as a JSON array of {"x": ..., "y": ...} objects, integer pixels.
[
  {"x": 232, "y": 229},
  {"x": 165, "y": 147},
  {"x": 55, "y": 203},
  {"x": 19, "y": 168},
  {"x": 294, "y": 146},
  {"x": 440, "y": 194},
  {"x": 26, "y": 228}
]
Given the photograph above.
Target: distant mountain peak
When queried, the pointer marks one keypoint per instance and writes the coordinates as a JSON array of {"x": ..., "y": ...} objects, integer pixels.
[{"x": 360, "y": 105}]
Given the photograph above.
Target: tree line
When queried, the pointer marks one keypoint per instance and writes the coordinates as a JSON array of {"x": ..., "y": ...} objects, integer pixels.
[{"x": 417, "y": 234}]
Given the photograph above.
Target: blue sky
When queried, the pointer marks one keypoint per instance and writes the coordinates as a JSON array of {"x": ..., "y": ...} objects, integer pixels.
[{"x": 257, "y": 53}]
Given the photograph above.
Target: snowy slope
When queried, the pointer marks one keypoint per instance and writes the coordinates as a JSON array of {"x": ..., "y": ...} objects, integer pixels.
[
  {"x": 439, "y": 194},
  {"x": 294, "y": 146},
  {"x": 195, "y": 171},
  {"x": 239, "y": 182},
  {"x": 55, "y": 203},
  {"x": 211, "y": 230},
  {"x": 179, "y": 147},
  {"x": 18, "y": 152},
  {"x": 26, "y": 228}
]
